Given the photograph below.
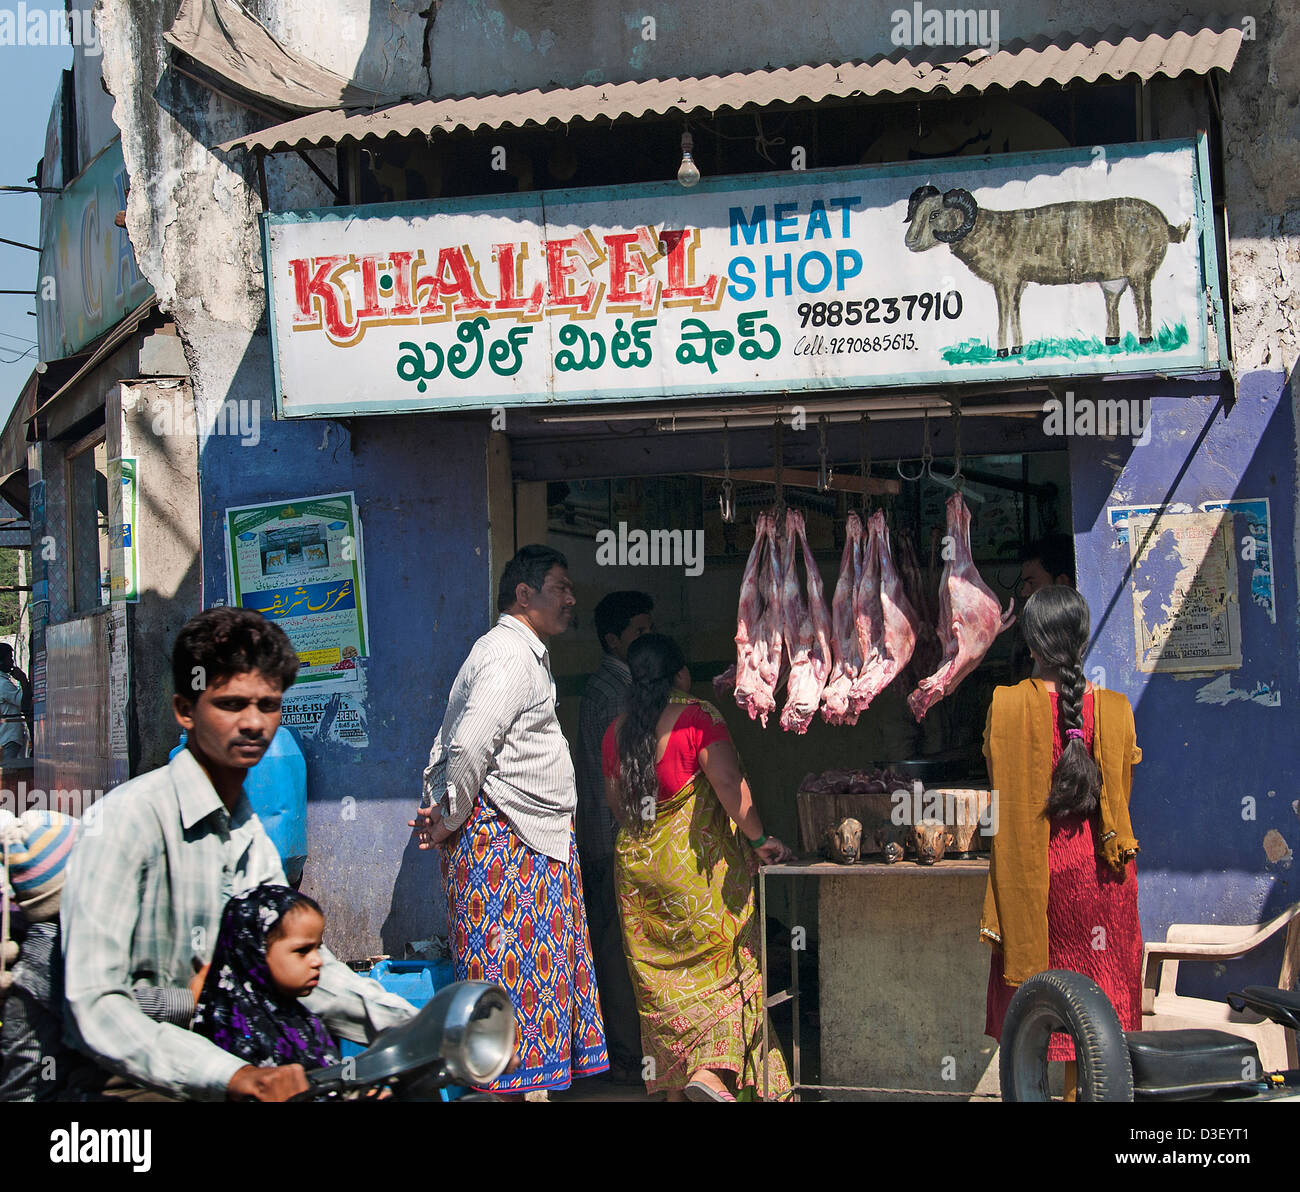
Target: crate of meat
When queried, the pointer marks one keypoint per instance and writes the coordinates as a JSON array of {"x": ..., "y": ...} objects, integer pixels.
[
  {"x": 865, "y": 795},
  {"x": 872, "y": 797}
]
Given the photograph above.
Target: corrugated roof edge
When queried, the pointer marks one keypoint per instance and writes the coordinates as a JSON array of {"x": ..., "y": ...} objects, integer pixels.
[{"x": 1171, "y": 48}]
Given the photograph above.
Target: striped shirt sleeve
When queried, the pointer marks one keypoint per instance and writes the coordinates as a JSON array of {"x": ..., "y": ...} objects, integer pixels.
[{"x": 496, "y": 694}]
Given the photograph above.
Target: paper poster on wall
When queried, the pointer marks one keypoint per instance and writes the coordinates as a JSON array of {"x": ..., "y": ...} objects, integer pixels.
[
  {"x": 1253, "y": 536},
  {"x": 119, "y": 681},
  {"x": 1186, "y": 614},
  {"x": 124, "y": 521},
  {"x": 1254, "y": 545},
  {"x": 338, "y": 716},
  {"x": 299, "y": 563}
]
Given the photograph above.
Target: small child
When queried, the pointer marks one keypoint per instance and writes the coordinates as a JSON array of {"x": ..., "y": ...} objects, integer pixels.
[{"x": 267, "y": 958}]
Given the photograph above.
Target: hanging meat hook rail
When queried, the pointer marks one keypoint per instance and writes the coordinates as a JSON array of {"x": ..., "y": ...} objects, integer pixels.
[
  {"x": 778, "y": 450},
  {"x": 825, "y": 472},
  {"x": 926, "y": 453},
  {"x": 727, "y": 498},
  {"x": 864, "y": 459},
  {"x": 956, "y": 481}
]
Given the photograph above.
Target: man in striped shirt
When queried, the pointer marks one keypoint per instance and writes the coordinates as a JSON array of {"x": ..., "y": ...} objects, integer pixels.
[{"x": 499, "y": 795}]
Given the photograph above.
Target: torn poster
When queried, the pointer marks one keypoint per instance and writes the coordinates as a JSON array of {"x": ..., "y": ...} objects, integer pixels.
[
  {"x": 1254, "y": 525},
  {"x": 1186, "y": 614},
  {"x": 337, "y": 716},
  {"x": 1252, "y": 534}
]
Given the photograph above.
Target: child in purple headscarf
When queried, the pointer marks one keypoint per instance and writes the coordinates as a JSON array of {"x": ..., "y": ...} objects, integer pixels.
[{"x": 267, "y": 958}]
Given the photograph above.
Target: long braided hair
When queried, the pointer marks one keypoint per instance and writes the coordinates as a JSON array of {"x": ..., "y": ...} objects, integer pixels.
[
  {"x": 1057, "y": 625},
  {"x": 654, "y": 659}
]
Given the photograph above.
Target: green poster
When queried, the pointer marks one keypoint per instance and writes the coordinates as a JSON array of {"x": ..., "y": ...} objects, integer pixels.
[{"x": 299, "y": 563}]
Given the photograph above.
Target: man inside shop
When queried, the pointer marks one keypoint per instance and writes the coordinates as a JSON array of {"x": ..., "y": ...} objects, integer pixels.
[
  {"x": 620, "y": 617},
  {"x": 1049, "y": 560}
]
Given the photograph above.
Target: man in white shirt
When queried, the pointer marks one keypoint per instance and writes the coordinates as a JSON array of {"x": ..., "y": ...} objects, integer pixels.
[{"x": 499, "y": 796}]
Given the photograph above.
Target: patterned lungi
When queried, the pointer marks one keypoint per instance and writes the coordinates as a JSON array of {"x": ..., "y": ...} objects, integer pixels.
[{"x": 516, "y": 918}]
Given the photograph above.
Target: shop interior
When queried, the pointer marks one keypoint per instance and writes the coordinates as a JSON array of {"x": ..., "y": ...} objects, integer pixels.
[{"x": 575, "y": 480}]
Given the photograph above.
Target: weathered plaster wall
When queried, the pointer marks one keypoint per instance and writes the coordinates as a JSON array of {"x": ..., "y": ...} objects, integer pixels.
[
  {"x": 145, "y": 421},
  {"x": 479, "y": 46},
  {"x": 1203, "y": 856}
]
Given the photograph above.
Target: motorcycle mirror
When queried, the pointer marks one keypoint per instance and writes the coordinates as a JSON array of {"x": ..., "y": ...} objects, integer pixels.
[{"x": 469, "y": 1026}]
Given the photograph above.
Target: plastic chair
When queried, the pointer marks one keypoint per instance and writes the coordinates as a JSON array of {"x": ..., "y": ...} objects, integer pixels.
[{"x": 1165, "y": 1009}]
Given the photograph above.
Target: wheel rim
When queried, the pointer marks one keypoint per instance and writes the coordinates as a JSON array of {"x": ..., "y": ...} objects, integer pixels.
[{"x": 1032, "y": 1041}]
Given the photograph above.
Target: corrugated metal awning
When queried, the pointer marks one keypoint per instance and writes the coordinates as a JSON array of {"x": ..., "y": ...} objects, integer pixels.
[
  {"x": 225, "y": 48},
  {"x": 106, "y": 346},
  {"x": 1194, "y": 45}
]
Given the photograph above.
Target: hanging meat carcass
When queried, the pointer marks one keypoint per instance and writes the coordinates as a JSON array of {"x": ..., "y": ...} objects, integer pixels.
[
  {"x": 759, "y": 626},
  {"x": 846, "y": 652},
  {"x": 901, "y": 627},
  {"x": 969, "y": 615},
  {"x": 807, "y": 627},
  {"x": 920, "y": 593},
  {"x": 898, "y": 621},
  {"x": 869, "y": 620}
]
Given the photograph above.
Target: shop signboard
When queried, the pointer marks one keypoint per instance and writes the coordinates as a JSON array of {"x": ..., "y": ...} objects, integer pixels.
[
  {"x": 299, "y": 563},
  {"x": 1070, "y": 263},
  {"x": 89, "y": 278}
]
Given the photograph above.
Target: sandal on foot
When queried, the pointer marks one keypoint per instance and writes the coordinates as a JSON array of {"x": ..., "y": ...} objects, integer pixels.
[{"x": 697, "y": 1090}]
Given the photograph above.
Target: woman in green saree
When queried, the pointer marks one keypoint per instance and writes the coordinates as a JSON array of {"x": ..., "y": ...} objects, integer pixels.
[{"x": 687, "y": 849}]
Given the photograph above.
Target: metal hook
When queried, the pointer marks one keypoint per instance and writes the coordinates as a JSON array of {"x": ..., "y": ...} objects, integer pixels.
[
  {"x": 926, "y": 453},
  {"x": 956, "y": 481},
  {"x": 727, "y": 499},
  {"x": 823, "y": 470},
  {"x": 864, "y": 460},
  {"x": 778, "y": 450}
]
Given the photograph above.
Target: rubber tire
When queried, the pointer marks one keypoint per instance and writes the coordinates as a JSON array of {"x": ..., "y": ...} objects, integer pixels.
[{"x": 1059, "y": 1000}]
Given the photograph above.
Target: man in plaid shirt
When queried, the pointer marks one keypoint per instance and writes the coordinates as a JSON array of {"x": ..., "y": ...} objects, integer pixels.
[
  {"x": 621, "y": 617},
  {"x": 159, "y": 858}
]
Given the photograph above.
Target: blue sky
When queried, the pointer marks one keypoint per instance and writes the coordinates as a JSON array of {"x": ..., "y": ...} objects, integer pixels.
[{"x": 28, "y": 78}]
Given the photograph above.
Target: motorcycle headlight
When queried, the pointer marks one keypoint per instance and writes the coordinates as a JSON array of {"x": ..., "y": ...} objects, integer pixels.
[{"x": 478, "y": 1033}]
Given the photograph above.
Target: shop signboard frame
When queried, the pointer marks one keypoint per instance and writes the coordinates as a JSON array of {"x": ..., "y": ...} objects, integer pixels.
[
  {"x": 764, "y": 283},
  {"x": 90, "y": 279}
]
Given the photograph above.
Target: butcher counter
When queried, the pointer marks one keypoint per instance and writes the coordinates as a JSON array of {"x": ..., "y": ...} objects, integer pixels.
[{"x": 902, "y": 976}]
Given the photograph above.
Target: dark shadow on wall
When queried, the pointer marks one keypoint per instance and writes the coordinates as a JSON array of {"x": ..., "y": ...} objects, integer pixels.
[{"x": 419, "y": 906}]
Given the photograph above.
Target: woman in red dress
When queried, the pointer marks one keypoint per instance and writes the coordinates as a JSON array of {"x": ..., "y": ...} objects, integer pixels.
[{"x": 1090, "y": 898}]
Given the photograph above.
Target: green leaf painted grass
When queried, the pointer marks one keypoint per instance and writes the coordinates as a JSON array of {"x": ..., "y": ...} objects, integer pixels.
[{"x": 978, "y": 351}]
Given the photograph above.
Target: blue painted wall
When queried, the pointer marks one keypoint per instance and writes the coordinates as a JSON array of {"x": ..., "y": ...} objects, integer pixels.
[
  {"x": 1201, "y": 861},
  {"x": 421, "y": 487}
]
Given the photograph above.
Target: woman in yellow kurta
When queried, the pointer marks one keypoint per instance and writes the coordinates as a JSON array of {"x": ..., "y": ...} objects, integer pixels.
[{"x": 685, "y": 884}]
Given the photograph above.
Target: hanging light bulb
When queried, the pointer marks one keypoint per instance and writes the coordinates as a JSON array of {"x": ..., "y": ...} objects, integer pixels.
[{"x": 688, "y": 173}]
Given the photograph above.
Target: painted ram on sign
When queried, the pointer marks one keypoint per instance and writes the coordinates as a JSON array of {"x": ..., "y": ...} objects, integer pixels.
[{"x": 1117, "y": 243}]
